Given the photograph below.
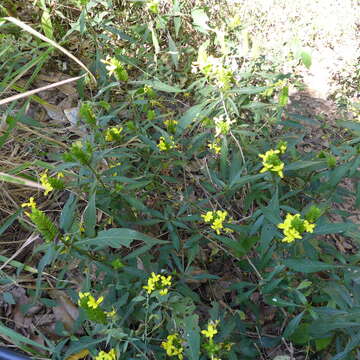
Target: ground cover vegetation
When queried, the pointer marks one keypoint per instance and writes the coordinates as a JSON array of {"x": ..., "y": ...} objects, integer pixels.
[{"x": 179, "y": 216}]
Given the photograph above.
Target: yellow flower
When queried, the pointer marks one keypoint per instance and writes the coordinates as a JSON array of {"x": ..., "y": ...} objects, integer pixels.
[
  {"x": 222, "y": 126},
  {"x": 150, "y": 287},
  {"x": 44, "y": 179},
  {"x": 102, "y": 355},
  {"x": 291, "y": 235},
  {"x": 158, "y": 282},
  {"x": 208, "y": 216},
  {"x": 215, "y": 147},
  {"x": 60, "y": 175},
  {"x": 115, "y": 67},
  {"x": 221, "y": 214},
  {"x": 166, "y": 281},
  {"x": 217, "y": 218},
  {"x": 211, "y": 330},
  {"x": 309, "y": 227},
  {"x": 165, "y": 145},
  {"x": 31, "y": 203},
  {"x": 272, "y": 162},
  {"x": 171, "y": 125},
  {"x": 111, "y": 314},
  {"x": 163, "y": 291},
  {"x": 173, "y": 346},
  {"x": 294, "y": 226},
  {"x": 91, "y": 302},
  {"x": 113, "y": 133},
  {"x": 83, "y": 295},
  {"x": 217, "y": 225}
]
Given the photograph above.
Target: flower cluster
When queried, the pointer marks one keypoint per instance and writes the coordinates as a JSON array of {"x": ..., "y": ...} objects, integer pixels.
[
  {"x": 215, "y": 146},
  {"x": 149, "y": 91},
  {"x": 214, "y": 69},
  {"x": 114, "y": 66},
  {"x": 49, "y": 183},
  {"x": 173, "y": 346},
  {"x": 217, "y": 219},
  {"x": 170, "y": 125},
  {"x": 45, "y": 183},
  {"x": 91, "y": 307},
  {"x": 114, "y": 166},
  {"x": 222, "y": 125},
  {"x": 113, "y": 133},
  {"x": 214, "y": 350},
  {"x": 102, "y": 355},
  {"x": 90, "y": 300},
  {"x": 282, "y": 146},
  {"x": 31, "y": 204},
  {"x": 79, "y": 151},
  {"x": 211, "y": 329},
  {"x": 294, "y": 226},
  {"x": 158, "y": 282},
  {"x": 272, "y": 162},
  {"x": 165, "y": 145}
]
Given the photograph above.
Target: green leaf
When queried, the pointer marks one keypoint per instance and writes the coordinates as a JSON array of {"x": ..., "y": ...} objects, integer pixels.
[
  {"x": 118, "y": 237},
  {"x": 8, "y": 222},
  {"x": 82, "y": 343},
  {"x": 177, "y": 24},
  {"x": 11, "y": 123},
  {"x": 158, "y": 85},
  {"x": 192, "y": 336},
  {"x": 82, "y": 24},
  {"x": 308, "y": 266},
  {"x": 301, "y": 335},
  {"x": 47, "y": 25},
  {"x": 284, "y": 96},
  {"x": 174, "y": 52},
  {"x": 277, "y": 301},
  {"x": 352, "y": 125},
  {"x": 339, "y": 173},
  {"x": 119, "y": 33},
  {"x": 306, "y": 59},
  {"x": 304, "y": 164},
  {"x": 272, "y": 211},
  {"x": 190, "y": 116},
  {"x": 17, "y": 338},
  {"x": 200, "y": 20},
  {"x": 268, "y": 232},
  {"x": 323, "y": 343},
  {"x": 154, "y": 38},
  {"x": 68, "y": 213},
  {"x": 239, "y": 181},
  {"x": 333, "y": 228},
  {"x": 245, "y": 245},
  {"x": 90, "y": 216},
  {"x": 302, "y": 118},
  {"x": 250, "y": 90},
  {"x": 293, "y": 325}
]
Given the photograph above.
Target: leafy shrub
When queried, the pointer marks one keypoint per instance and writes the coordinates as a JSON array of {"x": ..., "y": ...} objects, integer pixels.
[{"x": 192, "y": 214}]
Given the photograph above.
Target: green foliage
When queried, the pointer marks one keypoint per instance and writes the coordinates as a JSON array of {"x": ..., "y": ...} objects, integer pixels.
[
  {"x": 43, "y": 225},
  {"x": 172, "y": 134}
]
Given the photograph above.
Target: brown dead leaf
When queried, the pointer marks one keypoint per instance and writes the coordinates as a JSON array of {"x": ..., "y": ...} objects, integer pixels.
[
  {"x": 66, "y": 311},
  {"x": 80, "y": 355}
]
